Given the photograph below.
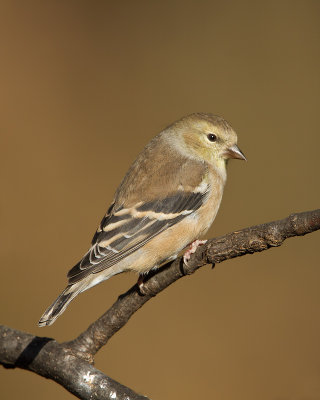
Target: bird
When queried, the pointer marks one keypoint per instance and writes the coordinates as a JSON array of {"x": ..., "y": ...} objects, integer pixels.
[{"x": 167, "y": 200}]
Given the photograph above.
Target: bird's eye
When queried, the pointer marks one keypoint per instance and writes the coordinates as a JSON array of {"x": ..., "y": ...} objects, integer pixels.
[{"x": 212, "y": 137}]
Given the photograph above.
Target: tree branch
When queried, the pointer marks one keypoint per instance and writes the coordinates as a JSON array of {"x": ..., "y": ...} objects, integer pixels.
[
  {"x": 69, "y": 363},
  {"x": 47, "y": 358},
  {"x": 246, "y": 241}
]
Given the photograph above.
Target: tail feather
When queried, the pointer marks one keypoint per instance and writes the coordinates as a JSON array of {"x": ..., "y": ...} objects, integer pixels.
[{"x": 62, "y": 302}]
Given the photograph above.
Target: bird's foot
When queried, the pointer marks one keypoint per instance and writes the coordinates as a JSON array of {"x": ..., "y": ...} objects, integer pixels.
[
  {"x": 140, "y": 284},
  {"x": 192, "y": 249}
]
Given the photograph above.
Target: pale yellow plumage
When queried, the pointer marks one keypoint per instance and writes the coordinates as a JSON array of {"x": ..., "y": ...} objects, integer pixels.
[{"x": 168, "y": 198}]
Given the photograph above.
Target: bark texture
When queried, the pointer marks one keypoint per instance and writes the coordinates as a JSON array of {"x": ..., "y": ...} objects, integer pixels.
[{"x": 71, "y": 363}]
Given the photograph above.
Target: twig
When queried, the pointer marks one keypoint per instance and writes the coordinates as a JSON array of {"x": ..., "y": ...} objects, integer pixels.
[
  {"x": 70, "y": 363},
  {"x": 246, "y": 241}
]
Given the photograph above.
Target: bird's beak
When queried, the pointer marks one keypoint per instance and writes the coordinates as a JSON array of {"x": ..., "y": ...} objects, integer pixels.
[{"x": 235, "y": 152}]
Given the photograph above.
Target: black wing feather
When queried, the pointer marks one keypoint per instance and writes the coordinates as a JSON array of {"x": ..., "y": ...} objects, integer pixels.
[{"x": 133, "y": 232}]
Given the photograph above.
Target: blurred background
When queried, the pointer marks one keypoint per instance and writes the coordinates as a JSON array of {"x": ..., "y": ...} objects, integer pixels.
[{"x": 85, "y": 85}]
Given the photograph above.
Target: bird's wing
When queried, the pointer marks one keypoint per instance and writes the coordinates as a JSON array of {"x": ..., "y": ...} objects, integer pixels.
[{"x": 126, "y": 230}]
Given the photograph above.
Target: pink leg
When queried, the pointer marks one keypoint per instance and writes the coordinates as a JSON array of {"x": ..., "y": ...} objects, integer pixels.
[
  {"x": 192, "y": 249},
  {"x": 140, "y": 284}
]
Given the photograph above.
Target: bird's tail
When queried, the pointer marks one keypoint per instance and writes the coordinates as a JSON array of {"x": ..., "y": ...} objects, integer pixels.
[{"x": 62, "y": 302}]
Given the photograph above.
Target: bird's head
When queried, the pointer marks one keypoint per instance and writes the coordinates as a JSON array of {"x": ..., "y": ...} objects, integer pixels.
[{"x": 209, "y": 138}]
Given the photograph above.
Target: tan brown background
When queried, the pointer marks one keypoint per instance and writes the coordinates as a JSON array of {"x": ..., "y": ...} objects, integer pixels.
[{"x": 84, "y": 86}]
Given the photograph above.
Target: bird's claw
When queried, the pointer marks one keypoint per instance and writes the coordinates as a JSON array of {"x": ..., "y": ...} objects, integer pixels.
[
  {"x": 192, "y": 249},
  {"x": 140, "y": 284}
]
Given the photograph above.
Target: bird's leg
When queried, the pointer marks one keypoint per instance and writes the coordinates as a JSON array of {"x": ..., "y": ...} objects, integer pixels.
[
  {"x": 140, "y": 284},
  {"x": 192, "y": 249}
]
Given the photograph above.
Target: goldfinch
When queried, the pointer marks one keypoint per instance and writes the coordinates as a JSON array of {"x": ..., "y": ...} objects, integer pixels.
[{"x": 168, "y": 198}]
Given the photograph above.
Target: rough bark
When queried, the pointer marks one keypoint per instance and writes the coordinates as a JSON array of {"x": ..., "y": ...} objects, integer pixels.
[
  {"x": 70, "y": 363},
  {"x": 55, "y": 361}
]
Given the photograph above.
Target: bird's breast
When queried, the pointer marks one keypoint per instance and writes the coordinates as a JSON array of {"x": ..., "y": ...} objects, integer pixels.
[{"x": 209, "y": 210}]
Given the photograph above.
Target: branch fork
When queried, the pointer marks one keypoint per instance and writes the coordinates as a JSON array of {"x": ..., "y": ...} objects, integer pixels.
[{"x": 71, "y": 363}]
